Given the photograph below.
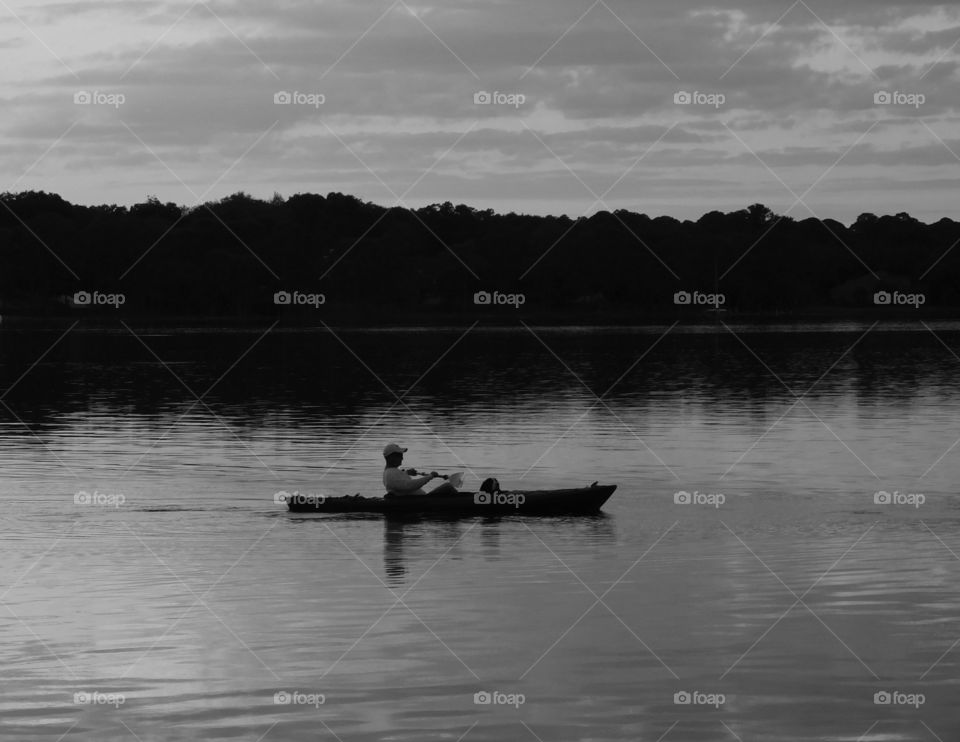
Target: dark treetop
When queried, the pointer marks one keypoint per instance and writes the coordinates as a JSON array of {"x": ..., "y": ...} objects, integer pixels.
[{"x": 230, "y": 258}]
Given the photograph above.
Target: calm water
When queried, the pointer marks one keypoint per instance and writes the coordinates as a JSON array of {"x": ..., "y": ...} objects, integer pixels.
[{"x": 190, "y": 604}]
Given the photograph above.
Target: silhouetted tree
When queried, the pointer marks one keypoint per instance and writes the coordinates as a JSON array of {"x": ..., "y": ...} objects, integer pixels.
[{"x": 229, "y": 257}]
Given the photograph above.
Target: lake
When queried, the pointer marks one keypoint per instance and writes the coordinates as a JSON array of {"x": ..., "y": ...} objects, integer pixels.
[{"x": 781, "y": 560}]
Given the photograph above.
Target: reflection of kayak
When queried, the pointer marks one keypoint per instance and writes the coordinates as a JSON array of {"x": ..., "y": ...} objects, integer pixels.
[{"x": 534, "y": 502}]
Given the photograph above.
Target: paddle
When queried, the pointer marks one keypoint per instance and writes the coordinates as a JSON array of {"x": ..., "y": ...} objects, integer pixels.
[{"x": 456, "y": 479}]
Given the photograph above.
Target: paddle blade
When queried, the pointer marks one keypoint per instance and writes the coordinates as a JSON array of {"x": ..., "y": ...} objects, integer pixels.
[{"x": 456, "y": 479}]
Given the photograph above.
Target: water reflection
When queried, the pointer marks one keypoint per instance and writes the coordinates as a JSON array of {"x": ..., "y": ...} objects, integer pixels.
[
  {"x": 299, "y": 412},
  {"x": 302, "y": 378},
  {"x": 424, "y": 538}
]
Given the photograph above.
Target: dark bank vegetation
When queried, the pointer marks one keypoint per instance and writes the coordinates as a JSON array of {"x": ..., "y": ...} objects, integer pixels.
[{"x": 230, "y": 258}]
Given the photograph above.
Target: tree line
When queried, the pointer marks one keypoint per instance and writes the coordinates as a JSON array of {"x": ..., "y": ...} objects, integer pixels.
[{"x": 245, "y": 257}]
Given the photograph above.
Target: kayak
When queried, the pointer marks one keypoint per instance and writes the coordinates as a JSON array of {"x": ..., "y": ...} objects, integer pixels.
[
  {"x": 579, "y": 500},
  {"x": 533, "y": 502}
]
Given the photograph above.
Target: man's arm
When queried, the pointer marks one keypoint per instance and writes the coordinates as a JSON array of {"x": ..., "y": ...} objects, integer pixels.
[{"x": 399, "y": 482}]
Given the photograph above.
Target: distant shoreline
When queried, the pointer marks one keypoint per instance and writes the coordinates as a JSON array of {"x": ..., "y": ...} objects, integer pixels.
[
  {"x": 386, "y": 317},
  {"x": 311, "y": 259}
]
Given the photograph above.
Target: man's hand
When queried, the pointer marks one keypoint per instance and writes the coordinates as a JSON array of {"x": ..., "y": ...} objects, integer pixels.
[
  {"x": 412, "y": 472},
  {"x": 433, "y": 475}
]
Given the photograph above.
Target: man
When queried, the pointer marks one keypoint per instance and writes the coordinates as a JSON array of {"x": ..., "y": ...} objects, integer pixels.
[{"x": 399, "y": 482}]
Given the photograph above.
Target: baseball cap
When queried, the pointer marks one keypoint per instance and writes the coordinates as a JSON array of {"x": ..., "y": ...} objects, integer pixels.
[{"x": 391, "y": 448}]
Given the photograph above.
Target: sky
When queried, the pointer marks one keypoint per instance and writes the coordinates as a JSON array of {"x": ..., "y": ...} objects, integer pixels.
[{"x": 813, "y": 108}]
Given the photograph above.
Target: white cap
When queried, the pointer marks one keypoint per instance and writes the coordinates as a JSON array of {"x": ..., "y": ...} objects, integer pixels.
[{"x": 392, "y": 448}]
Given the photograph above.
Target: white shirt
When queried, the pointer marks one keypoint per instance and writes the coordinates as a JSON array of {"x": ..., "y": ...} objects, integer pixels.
[{"x": 398, "y": 482}]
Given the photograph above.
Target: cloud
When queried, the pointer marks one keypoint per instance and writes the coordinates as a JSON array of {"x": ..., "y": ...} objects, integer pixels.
[{"x": 398, "y": 84}]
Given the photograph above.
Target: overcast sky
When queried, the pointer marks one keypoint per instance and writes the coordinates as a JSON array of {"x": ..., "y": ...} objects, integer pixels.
[{"x": 786, "y": 115}]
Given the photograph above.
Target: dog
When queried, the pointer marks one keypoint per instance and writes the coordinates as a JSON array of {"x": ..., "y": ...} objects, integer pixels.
[{"x": 490, "y": 485}]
